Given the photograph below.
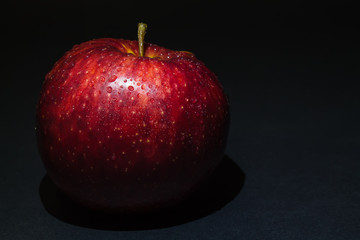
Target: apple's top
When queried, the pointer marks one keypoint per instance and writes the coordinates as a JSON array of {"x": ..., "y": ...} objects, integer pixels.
[{"x": 131, "y": 49}]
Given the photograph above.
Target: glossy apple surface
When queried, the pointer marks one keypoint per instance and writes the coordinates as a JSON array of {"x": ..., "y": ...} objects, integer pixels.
[{"x": 122, "y": 133}]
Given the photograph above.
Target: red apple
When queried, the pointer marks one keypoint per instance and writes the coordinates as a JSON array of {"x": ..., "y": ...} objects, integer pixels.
[{"x": 123, "y": 131}]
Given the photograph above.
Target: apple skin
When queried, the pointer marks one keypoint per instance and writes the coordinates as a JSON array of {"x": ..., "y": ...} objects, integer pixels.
[{"x": 122, "y": 133}]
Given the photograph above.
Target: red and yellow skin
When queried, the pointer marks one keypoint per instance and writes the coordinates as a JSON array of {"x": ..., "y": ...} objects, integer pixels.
[{"x": 120, "y": 132}]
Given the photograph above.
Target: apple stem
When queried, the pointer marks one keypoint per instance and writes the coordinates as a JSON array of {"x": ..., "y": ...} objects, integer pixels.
[{"x": 141, "y": 34}]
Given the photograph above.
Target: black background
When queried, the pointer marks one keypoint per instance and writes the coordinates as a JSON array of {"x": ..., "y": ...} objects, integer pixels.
[{"x": 291, "y": 72}]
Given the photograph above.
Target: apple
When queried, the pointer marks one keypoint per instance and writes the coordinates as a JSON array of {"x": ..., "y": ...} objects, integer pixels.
[{"x": 129, "y": 126}]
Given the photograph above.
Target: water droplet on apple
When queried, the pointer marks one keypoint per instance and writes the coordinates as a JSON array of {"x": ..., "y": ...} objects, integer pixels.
[
  {"x": 125, "y": 80},
  {"x": 142, "y": 87},
  {"x": 109, "y": 89},
  {"x": 102, "y": 79},
  {"x": 112, "y": 78},
  {"x": 152, "y": 100},
  {"x": 131, "y": 88}
]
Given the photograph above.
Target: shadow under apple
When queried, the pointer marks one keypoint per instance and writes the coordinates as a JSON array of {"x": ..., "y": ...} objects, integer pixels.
[{"x": 220, "y": 189}]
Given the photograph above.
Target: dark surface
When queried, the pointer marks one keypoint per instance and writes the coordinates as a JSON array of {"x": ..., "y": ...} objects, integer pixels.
[{"x": 291, "y": 71}]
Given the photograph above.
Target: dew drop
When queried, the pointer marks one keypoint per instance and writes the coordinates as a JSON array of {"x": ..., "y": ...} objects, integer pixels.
[
  {"x": 131, "y": 88},
  {"x": 125, "y": 81},
  {"x": 109, "y": 89},
  {"x": 112, "y": 78},
  {"x": 142, "y": 87}
]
